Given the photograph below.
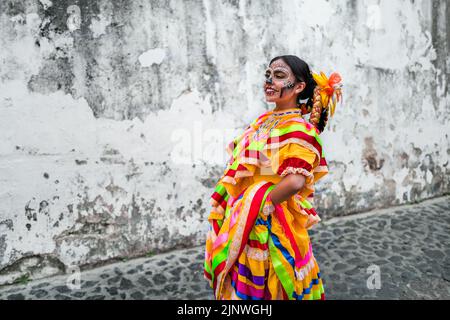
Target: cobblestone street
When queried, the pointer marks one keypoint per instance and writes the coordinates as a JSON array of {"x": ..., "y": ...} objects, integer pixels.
[{"x": 410, "y": 244}]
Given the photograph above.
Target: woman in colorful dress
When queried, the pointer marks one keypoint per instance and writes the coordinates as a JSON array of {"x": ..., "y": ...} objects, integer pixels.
[{"x": 257, "y": 246}]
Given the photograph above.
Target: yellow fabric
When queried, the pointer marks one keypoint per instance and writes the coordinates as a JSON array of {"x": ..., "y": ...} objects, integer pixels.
[
  {"x": 290, "y": 150},
  {"x": 276, "y": 156},
  {"x": 293, "y": 150}
]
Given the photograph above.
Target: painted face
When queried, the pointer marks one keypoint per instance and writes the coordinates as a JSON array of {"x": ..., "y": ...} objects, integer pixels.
[{"x": 279, "y": 81}]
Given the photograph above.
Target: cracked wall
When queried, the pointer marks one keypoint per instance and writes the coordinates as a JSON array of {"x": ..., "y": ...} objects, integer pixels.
[{"x": 115, "y": 114}]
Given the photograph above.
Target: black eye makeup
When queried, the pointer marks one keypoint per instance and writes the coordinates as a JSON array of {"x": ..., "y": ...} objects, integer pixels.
[
  {"x": 276, "y": 74},
  {"x": 280, "y": 75}
]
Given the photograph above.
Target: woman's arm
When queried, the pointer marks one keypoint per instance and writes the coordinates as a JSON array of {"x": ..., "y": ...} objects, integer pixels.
[{"x": 287, "y": 187}]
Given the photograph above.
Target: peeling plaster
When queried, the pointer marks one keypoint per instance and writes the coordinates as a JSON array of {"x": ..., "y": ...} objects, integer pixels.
[
  {"x": 152, "y": 56},
  {"x": 98, "y": 25},
  {"x": 46, "y": 4}
]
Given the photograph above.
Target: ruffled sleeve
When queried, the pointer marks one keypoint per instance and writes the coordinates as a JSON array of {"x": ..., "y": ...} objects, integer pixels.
[{"x": 294, "y": 159}]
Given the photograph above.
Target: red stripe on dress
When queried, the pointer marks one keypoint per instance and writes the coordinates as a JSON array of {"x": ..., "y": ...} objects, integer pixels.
[
  {"x": 287, "y": 230},
  {"x": 253, "y": 213},
  {"x": 223, "y": 203},
  {"x": 295, "y": 163},
  {"x": 232, "y": 172},
  {"x": 216, "y": 227},
  {"x": 311, "y": 211},
  {"x": 219, "y": 269},
  {"x": 257, "y": 244},
  {"x": 241, "y": 168},
  {"x": 296, "y": 134},
  {"x": 252, "y": 154},
  {"x": 217, "y": 196}
]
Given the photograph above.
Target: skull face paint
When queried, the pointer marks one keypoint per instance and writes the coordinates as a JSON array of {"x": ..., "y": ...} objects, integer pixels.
[{"x": 278, "y": 78}]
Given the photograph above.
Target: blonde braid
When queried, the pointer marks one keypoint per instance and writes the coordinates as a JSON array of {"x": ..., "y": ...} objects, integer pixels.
[
  {"x": 326, "y": 95},
  {"x": 319, "y": 114}
]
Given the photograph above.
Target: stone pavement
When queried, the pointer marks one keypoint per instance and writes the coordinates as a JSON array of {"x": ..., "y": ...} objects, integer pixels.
[{"x": 409, "y": 244}]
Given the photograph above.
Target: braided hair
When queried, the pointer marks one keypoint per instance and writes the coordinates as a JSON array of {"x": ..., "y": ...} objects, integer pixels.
[{"x": 318, "y": 114}]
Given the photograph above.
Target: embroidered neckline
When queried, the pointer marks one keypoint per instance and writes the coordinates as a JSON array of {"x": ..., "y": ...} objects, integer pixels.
[
  {"x": 272, "y": 118},
  {"x": 285, "y": 112}
]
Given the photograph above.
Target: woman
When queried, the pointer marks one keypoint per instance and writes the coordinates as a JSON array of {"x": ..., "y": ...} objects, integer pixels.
[{"x": 257, "y": 247}]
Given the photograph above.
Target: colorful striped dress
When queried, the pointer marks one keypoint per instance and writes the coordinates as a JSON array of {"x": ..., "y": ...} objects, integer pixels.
[{"x": 253, "y": 256}]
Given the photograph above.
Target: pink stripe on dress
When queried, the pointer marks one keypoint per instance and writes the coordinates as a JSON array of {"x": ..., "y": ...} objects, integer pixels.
[
  {"x": 220, "y": 239},
  {"x": 305, "y": 260}
]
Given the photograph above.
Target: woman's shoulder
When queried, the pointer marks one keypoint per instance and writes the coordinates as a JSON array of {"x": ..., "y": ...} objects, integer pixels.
[
  {"x": 296, "y": 131},
  {"x": 298, "y": 122}
]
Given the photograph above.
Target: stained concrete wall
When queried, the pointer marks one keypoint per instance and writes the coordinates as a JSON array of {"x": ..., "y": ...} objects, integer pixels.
[{"x": 115, "y": 114}]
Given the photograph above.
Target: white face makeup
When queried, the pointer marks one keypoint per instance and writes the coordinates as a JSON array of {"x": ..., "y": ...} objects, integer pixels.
[{"x": 279, "y": 78}]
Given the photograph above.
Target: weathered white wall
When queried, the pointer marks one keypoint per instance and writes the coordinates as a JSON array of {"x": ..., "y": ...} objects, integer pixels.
[{"x": 115, "y": 114}]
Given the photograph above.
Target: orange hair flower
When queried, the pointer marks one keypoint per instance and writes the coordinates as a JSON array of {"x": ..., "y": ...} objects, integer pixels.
[{"x": 330, "y": 89}]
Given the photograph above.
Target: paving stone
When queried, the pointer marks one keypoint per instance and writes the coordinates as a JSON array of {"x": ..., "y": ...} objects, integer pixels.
[
  {"x": 159, "y": 279},
  {"x": 17, "y": 296},
  {"x": 79, "y": 294},
  {"x": 96, "y": 297},
  {"x": 340, "y": 266},
  {"x": 114, "y": 280},
  {"x": 144, "y": 281},
  {"x": 126, "y": 284},
  {"x": 39, "y": 293},
  {"x": 62, "y": 289},
  {"x": 112, "y": 290},
  {"x": 41, "y": 285},
  {"x": 171, "y": 287},
  {"x": 434, "y": 254},
  {"x": 88, "y": 284},
  {"x": 161, "y": 263},
  {"x": 97, "y": 290},
  {"x": 176, "y": 271},
  {"x": 137, "y": 295}
]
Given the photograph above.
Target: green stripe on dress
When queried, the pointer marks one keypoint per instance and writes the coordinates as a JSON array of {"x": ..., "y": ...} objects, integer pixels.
[
  {"x": 207, "y": 267},
  {"x": 306, "y": 204},
  {"x": 280, "y": 270},
  {"x": 256, "y": 145},
  {"x": 295, "y": 127},
  {"x": 221, "y": 256},
  {"x": 262, "y": 237},
  {"x": 227, "y": 212},
  {"x": 220, "y": 189}
]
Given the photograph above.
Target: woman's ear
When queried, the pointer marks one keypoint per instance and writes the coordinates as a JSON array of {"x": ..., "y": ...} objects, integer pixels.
[{"x": 300, "y": 87}]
